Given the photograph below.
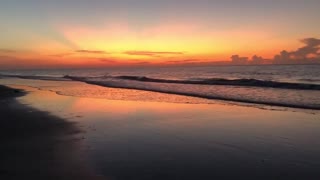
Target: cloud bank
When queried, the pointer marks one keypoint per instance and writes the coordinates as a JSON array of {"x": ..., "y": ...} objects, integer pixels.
[
  {"x": 307, "y": 54},
  {"x": 237, "y": 60}
]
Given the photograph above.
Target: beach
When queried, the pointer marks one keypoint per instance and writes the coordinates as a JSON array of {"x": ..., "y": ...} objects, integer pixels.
[
  {"x": 74, "y": 137},
  {"x": 36, "y": 144},
  {"x": 159, "y": 90}
]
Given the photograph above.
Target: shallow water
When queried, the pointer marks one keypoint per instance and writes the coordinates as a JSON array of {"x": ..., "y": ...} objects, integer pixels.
[
  {"x": 285, "y": 85},
  {"x": 157, "y": 140}
]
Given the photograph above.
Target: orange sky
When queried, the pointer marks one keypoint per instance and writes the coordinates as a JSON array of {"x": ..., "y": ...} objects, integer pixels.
[
  {"x": 166, "y": 43},
  {"x": 154, "y": 33}
]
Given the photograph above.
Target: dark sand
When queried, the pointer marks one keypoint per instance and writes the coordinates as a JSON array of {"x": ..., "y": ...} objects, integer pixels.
[{"x": 37, "y": 145}]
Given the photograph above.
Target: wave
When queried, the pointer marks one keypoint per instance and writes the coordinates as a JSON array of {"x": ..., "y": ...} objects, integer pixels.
[
  {"x": 237, "y": 90},
  {"x": 209, "y": 81},
  {"x": 310, "y": 80},
  {"x": 183, "y": 90},
  {"x": 228, "y": 82},
  {"x": 36, "y": 77}
]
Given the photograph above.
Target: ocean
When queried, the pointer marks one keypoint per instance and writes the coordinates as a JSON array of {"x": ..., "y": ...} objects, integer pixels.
[
  {"x": 179, "y": 122},
  {"x": 296, "y": 86}
]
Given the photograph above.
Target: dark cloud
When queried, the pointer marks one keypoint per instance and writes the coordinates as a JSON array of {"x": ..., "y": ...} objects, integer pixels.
[
  {"x": 152, "y": 53},
  {"x": 142, "y": 62},
  {"x": 312, "y": 46},
  {"x": 107, "y": 60},
  {"x": 7, "y": 51},
  {"x": 83, "y": 51},
  {"x": 183, "y": 61},
  {"x": 61, "y": 55},
  {"x": 311, "y": 42},
  {"x": 283, "y": 57},
  {"x": 237, "y": 60},
  {"x": 5, "y": 58},
  {"x": 90, "y": 51},
  {"x": 256, "y": 60},
  {"x": 309, "y": 53}
]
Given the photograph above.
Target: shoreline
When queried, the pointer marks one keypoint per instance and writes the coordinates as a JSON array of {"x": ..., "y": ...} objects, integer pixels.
[
  {"x": 36, "y": 144},
  {"x": 153, "y": 140},
  {"x": 205, "y": 97}
]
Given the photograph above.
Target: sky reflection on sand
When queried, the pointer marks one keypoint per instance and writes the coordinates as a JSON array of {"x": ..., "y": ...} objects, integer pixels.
[{"x": 147, "y": 139}]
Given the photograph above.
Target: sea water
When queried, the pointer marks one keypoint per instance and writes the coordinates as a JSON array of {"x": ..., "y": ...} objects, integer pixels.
[{"x": 279, "y": 85}]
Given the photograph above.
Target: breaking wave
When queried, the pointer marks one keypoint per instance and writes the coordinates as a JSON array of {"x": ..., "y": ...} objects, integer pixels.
[
  {"x": 286, "y": 97},
  {"x": 37, "y": 77},
  {"x": 285, "y": 94},
  {"x": 228, "y": 82}
]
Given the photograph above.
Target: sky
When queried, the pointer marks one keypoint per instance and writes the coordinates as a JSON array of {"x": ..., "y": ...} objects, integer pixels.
[{"x": 95, "y": 33}]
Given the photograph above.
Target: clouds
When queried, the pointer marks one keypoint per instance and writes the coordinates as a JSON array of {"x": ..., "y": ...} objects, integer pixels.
[
  {"x": 282, "y": 58},
  {"x": 257, "y": 59},
  {"x": 312, "y": 46},
  {"x": 91, "y": 51},
  {"x": 309, "y": 53},
  {"x": 106, "y": 60},
  {"x": 61, "y": 55},
  {"x": 133, "y": 53},
  {"x": 7, "y": 51},
  {"x": 184, "y": 61},
  {"x": 106, "y": 56},
  {"x": 237, "y": 60},
  {"x": 79, "y": 52},
  {"x": 152, "y": 53}
]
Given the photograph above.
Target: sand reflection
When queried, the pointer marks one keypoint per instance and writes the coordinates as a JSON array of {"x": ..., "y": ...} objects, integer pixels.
[{"x": 205, "y": 140}]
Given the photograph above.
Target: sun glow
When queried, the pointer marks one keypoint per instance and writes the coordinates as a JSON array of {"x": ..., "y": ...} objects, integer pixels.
[{"x": 159, "y": 33}]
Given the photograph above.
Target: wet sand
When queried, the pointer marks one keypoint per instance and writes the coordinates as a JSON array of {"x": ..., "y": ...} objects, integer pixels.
[
  {"x": 156, "y": 140},
  {"x": 37, "y": 145}
]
